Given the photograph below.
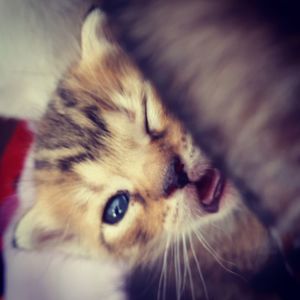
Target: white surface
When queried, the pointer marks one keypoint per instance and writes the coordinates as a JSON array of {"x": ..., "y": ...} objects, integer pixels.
[{"x": 38, "y": 40}]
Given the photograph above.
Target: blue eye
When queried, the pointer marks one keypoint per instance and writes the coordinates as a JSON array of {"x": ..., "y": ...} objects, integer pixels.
[{"x": 116, "y": 208}]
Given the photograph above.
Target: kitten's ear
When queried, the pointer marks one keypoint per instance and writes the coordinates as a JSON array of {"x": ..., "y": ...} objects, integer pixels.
[
  {"x": 95, "y": 37},
  {"x": 38, "y": 230}
]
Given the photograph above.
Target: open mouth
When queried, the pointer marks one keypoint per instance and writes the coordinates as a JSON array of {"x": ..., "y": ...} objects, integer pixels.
[{"x": 210, "y": 189}]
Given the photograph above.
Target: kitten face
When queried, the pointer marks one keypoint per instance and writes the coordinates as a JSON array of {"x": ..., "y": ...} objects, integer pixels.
[{"x": 115, "y": 173}]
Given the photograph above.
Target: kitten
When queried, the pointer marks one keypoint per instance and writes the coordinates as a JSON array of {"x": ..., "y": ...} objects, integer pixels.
[{"x": 117, "y": 177}]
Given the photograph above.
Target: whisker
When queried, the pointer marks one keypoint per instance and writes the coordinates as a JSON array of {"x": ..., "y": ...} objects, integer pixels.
[
  {"x": 215, "y": 255},
  {"x": 177, "y": 268},
  {"x": 162, "y": 279},
  {"x": 198, "y": 268},
  {"x": 187, "y": 263},
  {"x": 210, "y": 249}
]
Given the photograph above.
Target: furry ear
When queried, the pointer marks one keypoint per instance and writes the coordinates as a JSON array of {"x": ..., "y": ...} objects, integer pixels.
[
  {"x": 38, "y": 230},
  {"x": 95, "y": 37}
]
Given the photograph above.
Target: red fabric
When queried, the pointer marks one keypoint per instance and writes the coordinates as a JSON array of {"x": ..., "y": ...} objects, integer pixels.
[{"x": 11, "y": 165}]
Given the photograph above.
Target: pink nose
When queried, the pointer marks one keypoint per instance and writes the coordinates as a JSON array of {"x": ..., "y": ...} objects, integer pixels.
[{"x": 175, "y": 177}]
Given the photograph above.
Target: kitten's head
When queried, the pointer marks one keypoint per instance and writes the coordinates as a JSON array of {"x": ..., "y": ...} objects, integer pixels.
[{"x": 115, "y": 173}]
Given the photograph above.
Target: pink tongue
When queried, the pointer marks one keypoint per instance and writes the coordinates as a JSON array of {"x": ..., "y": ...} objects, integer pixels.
[{"x": 206, "y": 186}]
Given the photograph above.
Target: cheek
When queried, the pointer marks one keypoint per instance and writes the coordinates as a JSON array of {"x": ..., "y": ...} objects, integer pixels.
[
  {"x": 154, "y": 218},
  {"x": 72, "y": 216},
  {"x": 121, "y": 235},
  {"x": 83, "y": 221}
]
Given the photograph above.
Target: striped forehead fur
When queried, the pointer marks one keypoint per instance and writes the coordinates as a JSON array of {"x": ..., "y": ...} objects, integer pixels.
[{"x": 74, "y": 117}]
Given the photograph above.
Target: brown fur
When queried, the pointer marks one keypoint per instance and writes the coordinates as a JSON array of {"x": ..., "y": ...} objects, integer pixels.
[{"x": 94, "y": 141}]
